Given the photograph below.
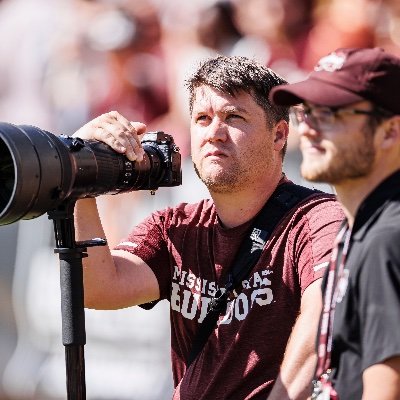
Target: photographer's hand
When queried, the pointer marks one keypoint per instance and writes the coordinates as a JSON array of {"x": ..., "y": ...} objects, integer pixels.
[{"x": 118, "y": 132}]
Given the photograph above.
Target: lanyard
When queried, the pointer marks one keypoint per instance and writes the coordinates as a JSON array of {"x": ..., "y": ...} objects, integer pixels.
[{"x": 333, "y": 293}]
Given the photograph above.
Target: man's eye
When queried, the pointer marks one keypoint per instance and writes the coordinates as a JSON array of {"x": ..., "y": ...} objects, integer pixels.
[
  {"x": 234, "y": 116},
  {"x": 324, "y": 114},
  {"x": 201, "y": 118}
]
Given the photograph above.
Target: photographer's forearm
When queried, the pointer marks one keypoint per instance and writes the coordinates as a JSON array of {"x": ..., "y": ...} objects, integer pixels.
[
  {"x": 87, "y": 220},
  {"x": 115, "y": 279},
  {"x": 88, "y": 226}
]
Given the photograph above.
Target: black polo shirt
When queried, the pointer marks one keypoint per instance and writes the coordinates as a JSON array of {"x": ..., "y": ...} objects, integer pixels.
[{"x": 366, "y": 327}]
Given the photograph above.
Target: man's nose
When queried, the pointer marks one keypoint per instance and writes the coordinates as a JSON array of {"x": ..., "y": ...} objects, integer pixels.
[
  {"x": 306, "y": 129},
  {"x": 216, "y": 131}
]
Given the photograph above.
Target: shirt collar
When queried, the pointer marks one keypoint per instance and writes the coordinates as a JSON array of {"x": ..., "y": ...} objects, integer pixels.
[{"x": 374, "y": 203}]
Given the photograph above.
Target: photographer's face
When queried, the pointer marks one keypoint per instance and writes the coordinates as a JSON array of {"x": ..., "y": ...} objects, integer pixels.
[{"x": 232, "y": 148}]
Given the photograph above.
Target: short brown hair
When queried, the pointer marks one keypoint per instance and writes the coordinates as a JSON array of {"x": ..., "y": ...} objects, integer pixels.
[{"x": 236, "y": 73}]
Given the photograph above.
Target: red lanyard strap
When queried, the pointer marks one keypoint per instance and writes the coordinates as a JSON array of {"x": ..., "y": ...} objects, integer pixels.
[{"x": 332, "y": 293}]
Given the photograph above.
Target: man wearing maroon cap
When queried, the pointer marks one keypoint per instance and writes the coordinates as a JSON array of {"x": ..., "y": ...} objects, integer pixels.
[{"x": 348, "y": 116}]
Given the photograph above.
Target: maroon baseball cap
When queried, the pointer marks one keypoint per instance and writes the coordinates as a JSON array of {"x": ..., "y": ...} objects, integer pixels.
[{"x": 347, "y": 76}]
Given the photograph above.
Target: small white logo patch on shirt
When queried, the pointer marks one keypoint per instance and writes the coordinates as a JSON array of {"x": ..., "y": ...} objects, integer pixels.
[{"x": 258, "y": 242}]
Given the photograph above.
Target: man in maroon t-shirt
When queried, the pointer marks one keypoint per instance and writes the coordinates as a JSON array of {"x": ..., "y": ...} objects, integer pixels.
[{"x": 183, "y": 253}]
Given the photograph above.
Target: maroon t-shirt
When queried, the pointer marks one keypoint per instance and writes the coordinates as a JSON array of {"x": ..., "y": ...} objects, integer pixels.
[{"x": 190, "y": 252}]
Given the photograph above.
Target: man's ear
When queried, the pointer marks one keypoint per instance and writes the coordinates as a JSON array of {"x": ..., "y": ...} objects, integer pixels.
[
  {"x": 391, "y": 132},
  {"x": 281, "y": 132}
]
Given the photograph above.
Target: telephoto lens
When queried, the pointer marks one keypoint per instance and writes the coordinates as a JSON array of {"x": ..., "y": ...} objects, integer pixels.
[{"x": 39, "y": 170}]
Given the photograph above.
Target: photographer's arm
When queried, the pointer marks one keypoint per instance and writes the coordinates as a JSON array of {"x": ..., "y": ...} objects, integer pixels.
[{"x": 114, "y": 279}]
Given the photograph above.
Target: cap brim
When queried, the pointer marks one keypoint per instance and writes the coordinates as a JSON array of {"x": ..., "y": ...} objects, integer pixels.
[{"x": 313, "y": 91}]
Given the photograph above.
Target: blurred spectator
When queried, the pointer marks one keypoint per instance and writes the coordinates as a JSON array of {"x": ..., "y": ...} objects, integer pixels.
[
  {"x": 387, "y": 32},
  {"x": 29, "y": 30},
  {"x": 216, "y": 28},
  {"x": 134, "y": 77},
  {"x": 110, "y": 58},
  {"x": 266, "y": 36},
  {"x": 282, "y": 26},
  {"x": 342, "y": 23}
]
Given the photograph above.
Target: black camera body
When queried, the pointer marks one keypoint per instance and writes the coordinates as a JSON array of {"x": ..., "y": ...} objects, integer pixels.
[
  {"x": 168, "y": 156},
  {"x": 39, "y": 171}
]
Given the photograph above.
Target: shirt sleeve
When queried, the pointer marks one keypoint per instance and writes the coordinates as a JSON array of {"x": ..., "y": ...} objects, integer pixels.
[
  {"x": 379, "y": 299},
  {"x": 313, "y": 239},
  {"x": 147, "y": 241}
]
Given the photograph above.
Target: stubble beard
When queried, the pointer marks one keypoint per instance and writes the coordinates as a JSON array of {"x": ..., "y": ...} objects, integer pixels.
[
  {"x": 242, "y": 172},
  {"x": 223, "y": 182},
  {"x": 347, "y": 164}
]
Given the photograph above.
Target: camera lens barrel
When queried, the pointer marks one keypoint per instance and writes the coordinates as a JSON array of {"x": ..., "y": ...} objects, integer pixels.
[
  {"x": 26, "y": 179},
  {"x": 39, "y": 170}
]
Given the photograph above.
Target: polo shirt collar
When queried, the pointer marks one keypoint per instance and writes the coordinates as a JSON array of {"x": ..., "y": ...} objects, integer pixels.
[{"x": 374, "y": 203}]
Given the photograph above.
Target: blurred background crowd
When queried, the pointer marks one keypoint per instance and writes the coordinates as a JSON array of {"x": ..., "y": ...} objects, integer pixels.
[{"x": 63, "y": 62}]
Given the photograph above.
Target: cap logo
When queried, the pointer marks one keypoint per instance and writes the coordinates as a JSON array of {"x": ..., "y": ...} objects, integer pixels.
[{"x": 331, "y": 62}]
